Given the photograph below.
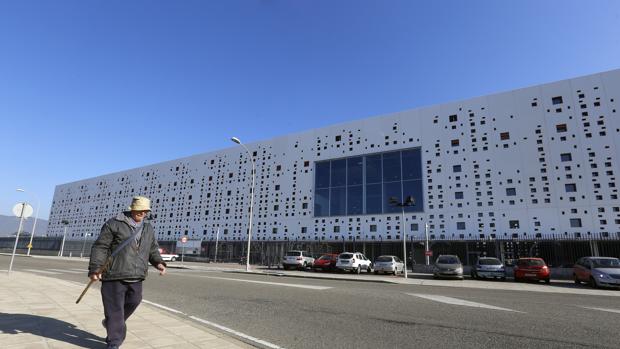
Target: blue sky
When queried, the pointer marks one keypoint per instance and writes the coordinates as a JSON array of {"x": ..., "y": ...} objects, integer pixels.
[{"x": 93, "y": 87}]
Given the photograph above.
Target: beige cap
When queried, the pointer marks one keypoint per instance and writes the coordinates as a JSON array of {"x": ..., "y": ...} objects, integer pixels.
[{"x": 140, "y": 203}]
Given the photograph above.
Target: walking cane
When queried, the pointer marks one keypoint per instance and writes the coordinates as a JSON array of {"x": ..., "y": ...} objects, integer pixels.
[{"x": 106, "y": 265}]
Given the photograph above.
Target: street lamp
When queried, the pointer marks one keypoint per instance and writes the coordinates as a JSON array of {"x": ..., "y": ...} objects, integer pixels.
[
  {"x": 84, "y": 243},
  {"x": 238, "y": 141},
  {"x": 409, "y": 201},
  {"x": 36, "y": 215},
  {"x": 62, "y": 247}
]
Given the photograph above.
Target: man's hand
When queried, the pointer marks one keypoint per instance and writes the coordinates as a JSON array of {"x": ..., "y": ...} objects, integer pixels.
[
  {"x": 161, "y": 268},
  {"x": 95, "y": 276}
]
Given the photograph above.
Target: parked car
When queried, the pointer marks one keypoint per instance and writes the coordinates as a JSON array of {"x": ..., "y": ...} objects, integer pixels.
[
  {"x": 168, "y": 257},
  {"x": 354, "y": 262},
  {"x": 297, "y": 260},
  {"x": 531, "y": 269},
  {"x": 488, "y": 267},
  {"x": 389, "y": 264},
  {"x": 448, "y": 266},
  {"x": 597, "y": 271},
  {"x": 326, "y": 262}
]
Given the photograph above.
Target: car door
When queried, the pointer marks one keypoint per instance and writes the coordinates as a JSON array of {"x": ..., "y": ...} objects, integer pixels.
[{"x": 580, "y": 269}]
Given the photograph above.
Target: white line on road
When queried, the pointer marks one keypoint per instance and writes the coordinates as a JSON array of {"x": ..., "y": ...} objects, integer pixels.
[
  {"x": 68, "y": 271},
  {"x": 312, "y": 287},
  {"x": 604, "y": 309},
  {"x": 456, "y": 301},
  {"x": 42, "y": 271},
  {"x": 213, "y": 324}
]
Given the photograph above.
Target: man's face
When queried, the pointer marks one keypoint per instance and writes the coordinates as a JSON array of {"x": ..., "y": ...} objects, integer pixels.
[{"x": 138, "y": 216}]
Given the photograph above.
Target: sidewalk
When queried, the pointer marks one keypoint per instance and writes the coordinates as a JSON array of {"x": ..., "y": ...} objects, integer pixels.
[{"x": 40, "y": 312}]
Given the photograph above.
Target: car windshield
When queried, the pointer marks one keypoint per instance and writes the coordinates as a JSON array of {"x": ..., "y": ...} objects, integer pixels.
[
  {"x": 448, "y": 260},
  {"x": 384, "y": 259},
  {"x": 606, "y": 262},
  {"x": 326, "y": 257},
  {"x": 346, "y": 256},
  {"x": 531, "y": 262},
  {"x": 293, "y": 253},
  {"x": 489, "y": 261}
]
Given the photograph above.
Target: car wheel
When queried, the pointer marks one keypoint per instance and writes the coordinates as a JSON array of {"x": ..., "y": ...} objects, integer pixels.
[
  {"x": 358, "y": 270},
  {"x": 547, "y": 281},
  {"x": 503, "y": 278},
  {"x": 173, "y": 259},
  {"x": 593, "y": 283},
  {"x": 305, "y": 266},
  {"x": 369, "y": 269},
  {"x": 576, "y": 279},
  {"x": 517, "y": 279}
]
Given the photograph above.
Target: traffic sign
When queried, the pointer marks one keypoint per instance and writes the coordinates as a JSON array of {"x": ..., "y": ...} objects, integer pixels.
[
  {"x": 428, "y": 253},
  {"x": 184, "y": 239},
  {"x": 22, "y": 208},
  {"x": 29, "y": 246}
]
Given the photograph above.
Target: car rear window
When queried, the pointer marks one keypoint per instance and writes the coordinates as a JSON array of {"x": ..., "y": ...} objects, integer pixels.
[
  {"x": 384, "y": 259},
  {"x": 346, "y": 256},
  {"x": 448, "y": 260},
  {"x": 531, "y": 262},
  {"x": 293, "y": 253},
  {"x": 489, "y": 261},
  {"x": 326, "y": 257}
]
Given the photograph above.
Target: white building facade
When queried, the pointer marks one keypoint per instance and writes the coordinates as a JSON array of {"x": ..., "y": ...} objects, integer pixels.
[{"x": 528, "y": 163}]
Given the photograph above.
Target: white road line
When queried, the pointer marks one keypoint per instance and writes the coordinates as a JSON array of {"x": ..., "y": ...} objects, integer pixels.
[
  {"x": 42, "y": 271},
  {"x": 68, "y": 271},
  {"x": 83, "y": 270},
  {"x": 604, "y": 309},
  {"x": 456, "y": 301},
  {"x": 220, "y": 327},
  {"x": 312, "y": 287}
]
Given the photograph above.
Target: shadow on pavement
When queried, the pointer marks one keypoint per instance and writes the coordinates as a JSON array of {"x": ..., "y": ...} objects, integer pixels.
[{"x": 50, "y": 328}]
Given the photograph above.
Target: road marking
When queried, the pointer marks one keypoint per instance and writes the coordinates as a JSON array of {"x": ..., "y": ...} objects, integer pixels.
[
  {"x": 456, "y": 301},
  {"x": 604, "y": 309},
  {"x": 213, "y": 324},
  {"x": 312, "y": 287},
  {"x": 68, "y": 271},
  {"x": 42, "y": 271}
]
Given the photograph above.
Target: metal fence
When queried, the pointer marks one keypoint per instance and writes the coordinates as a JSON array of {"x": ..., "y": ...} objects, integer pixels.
[{"x": 557, "y": 251}]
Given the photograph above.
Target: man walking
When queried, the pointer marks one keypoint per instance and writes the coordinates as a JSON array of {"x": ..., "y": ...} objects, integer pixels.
[{"x": 121, "y": 287}]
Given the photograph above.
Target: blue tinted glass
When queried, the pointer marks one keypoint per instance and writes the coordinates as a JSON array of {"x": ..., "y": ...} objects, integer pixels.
[
  {"x": 414, "y": 188},
  {"x": 391, "y": 190},
  {"x": 355, "y": 200},
  {"x": 373, "y": 169},
  {"x": 338, "y": 201},
  {"x": 321, "y": 203},
  {"x": 338, "y": 173},
  {"x": 322, "y": 175},
  {"x": 412, "y": 166},
  {"x": 354, "y": 171},
  {"x": 373, "y": 198},
  {"x": 391, "y": 167}
]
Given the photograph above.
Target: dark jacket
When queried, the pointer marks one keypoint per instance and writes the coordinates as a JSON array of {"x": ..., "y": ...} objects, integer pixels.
[{"x": 131, "y": 263}]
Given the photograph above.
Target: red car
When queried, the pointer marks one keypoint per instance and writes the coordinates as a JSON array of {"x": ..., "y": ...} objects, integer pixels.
[
  {"x": 326, "y": 262},
  {"x": 531, "y": 269}
]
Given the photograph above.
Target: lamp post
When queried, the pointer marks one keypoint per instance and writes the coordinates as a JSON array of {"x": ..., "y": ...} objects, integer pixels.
[
  {"x": 238, "y": 141},
  {"x": 62, "y": 246},
  {"x": 409, "y": 201},
  {"x": 36, "y": 215},
  {"x": 426, "y": 244},
  {"x": 84, "y": 244},
  {"x": 217, "y": 240}
]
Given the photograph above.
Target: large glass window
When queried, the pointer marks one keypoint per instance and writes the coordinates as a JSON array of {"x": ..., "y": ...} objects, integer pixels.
[{"x": 364, "y": 184}]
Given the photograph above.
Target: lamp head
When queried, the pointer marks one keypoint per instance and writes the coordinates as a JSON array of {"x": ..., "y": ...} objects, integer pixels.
[
  {"x": 410, "y": 201},
  {"x": 393, "y": 200},
  {"x": 236, "y": 140},
  {"x": 20, "y": 190}
]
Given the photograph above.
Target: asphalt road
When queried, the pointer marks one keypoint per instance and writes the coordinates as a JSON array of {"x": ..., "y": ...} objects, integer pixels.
[{"x": 313, "y": 313}]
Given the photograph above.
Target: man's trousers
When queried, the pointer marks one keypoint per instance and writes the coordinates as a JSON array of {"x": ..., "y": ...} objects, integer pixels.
[{"x": 120, "y": 300}]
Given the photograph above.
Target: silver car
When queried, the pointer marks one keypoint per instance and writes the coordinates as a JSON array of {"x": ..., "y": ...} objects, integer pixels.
[
  {"x": 297, "y": 259},
  {"x": 488, "y": 267},
  {"x": 448, "y": 266},
  {"x": 389, "y": 264},
  {"x": 598, "y": 271}
]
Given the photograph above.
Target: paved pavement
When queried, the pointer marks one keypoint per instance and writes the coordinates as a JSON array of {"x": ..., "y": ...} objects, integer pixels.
[{"x": 40, "y": 312}]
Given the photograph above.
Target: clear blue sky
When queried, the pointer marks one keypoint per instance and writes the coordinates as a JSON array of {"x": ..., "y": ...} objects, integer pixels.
[{"x": 93, "y": 87}]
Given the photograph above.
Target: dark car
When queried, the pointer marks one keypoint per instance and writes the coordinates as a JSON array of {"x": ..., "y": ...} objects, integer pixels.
[
  {"x": 531, "y": 269},
  {"x": 326, "y": 262}
]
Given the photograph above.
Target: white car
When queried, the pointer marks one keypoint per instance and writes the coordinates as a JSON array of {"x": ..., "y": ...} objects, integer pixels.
[
  {"x": 168, "y": 257},
  {"x": 354, "y": 262},
  {"x": 389, "y": 264},
  {"x": 297, "y": 260}
]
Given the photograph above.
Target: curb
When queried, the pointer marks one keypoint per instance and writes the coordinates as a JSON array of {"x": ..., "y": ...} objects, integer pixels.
[{"x": 280, "y": 274}]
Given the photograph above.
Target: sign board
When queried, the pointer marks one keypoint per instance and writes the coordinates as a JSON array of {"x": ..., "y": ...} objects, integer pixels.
[
  {"x": 27, "y": 209},
  {"x": 184, "y": 239},
  {"x": 428, "y": 253}
]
